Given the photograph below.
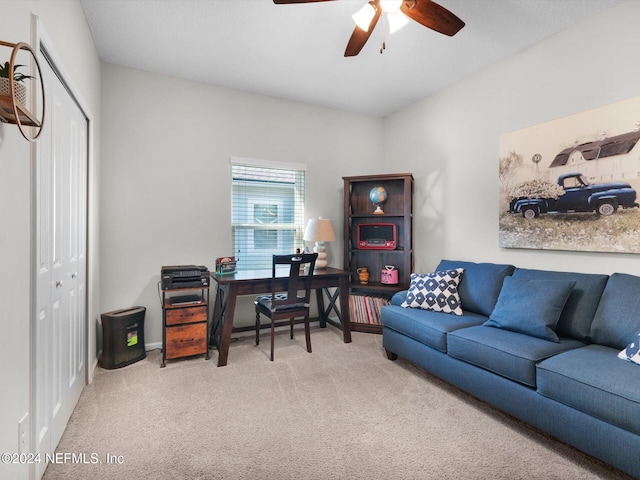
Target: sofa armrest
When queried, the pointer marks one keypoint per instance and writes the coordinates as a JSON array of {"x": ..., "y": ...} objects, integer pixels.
[{"x": 398, "y": 298}]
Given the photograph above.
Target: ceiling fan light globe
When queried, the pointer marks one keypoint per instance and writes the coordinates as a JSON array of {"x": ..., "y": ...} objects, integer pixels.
[
  {"x": 397, "y": 20},
  {"x": 390, "y": 6},
  {"x": 364, "y": 16}
]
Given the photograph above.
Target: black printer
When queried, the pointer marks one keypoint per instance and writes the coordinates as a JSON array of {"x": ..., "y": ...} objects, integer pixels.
[{"x": 184, "y": 276}]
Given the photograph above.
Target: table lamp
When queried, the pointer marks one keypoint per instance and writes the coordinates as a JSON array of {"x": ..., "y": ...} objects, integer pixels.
[{"x": 320, "y": 230}]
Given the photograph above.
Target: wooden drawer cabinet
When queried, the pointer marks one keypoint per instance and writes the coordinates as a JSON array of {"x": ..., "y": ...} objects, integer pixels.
[
  {"x": 186, "y": 340},
  {"x": 185, "y": 326},
  {"x": 177, "y": 316}
]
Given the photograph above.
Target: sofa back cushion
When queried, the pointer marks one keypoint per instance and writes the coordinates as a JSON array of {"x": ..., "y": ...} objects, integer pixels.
[
  {"x": 480, "y": 285},
  {"x": 575, "y": 320},
  {"x": 617, "y": 319}
]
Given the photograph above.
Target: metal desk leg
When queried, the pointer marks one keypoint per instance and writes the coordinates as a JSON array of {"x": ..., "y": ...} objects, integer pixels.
[
  {"x": 164, "y": 333},
  {"x": 207, "y": 356}
]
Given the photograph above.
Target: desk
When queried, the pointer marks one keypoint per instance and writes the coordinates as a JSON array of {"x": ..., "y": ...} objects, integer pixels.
[{"x": 256, "y": 282}]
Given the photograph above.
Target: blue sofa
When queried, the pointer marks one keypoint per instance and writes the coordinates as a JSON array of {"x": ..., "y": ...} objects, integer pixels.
[{"x": 571, "y": 384}]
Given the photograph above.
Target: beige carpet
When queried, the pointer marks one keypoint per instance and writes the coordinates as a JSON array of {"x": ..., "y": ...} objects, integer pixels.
[{"x": 342, "y": 412}]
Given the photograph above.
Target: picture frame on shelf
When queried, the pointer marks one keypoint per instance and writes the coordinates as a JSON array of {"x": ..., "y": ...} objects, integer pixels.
[{"x": 226, "y": 265}]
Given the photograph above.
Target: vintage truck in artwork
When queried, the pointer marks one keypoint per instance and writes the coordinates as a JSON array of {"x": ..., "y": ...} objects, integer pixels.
[{"x": 578, "y": 196}]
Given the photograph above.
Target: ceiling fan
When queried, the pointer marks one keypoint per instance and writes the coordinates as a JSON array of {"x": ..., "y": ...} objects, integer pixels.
[{"x": 425, "y": 12}]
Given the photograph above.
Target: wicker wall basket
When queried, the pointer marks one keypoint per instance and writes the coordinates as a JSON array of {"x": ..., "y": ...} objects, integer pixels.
[
  {"x": 20, "y": 90},
  {"x": 14, "y": 109}
]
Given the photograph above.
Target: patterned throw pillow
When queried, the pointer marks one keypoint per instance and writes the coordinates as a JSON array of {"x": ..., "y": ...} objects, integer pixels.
[
  {"x": 437, "y": 291},
  {"x": 632, "y": 352}
]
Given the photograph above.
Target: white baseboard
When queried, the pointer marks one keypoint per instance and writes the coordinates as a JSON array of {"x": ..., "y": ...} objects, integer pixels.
[{"x": 153, "y": 346}]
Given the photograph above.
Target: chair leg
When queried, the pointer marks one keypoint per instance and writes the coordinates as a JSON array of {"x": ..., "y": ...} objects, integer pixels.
[
  {"x": 291, "y": 322},
  {"x": 257, "y": 327},
  {"x": 273, "y": 328},
  {"x": 307, "y": 332}
]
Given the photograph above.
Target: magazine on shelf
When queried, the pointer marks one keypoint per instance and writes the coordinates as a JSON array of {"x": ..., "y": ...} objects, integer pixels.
[{"x": 365, "y": 308}]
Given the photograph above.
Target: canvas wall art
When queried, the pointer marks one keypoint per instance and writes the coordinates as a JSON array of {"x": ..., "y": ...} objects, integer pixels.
[{"x": 572, "y": 183}]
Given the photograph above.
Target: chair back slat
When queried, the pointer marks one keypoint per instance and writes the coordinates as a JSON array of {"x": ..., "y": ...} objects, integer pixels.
[{"x": 301, "y": 267}]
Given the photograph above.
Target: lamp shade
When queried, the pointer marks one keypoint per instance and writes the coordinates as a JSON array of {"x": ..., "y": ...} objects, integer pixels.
[
  {"x": 319, "y": 230},
  {"x": 397, "y": 20},
  {"x": 390, "y": 6},
  {"x": 364, "y": 16}
]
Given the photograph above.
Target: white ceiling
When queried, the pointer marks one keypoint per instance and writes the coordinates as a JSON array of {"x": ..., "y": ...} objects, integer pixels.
[{"x": 296, "y": 51}]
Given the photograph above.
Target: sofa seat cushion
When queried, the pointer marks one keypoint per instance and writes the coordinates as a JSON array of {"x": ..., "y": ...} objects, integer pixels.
[
  {"x": 480, "y": 284},
  {"x": 575, "y": 320},
  {"x": 427, "y": 326},
  {"x": 509, "y": 354},
  {"x": 595, "y": 381}
]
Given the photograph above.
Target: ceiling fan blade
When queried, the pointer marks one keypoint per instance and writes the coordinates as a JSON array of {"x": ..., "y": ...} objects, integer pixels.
[
  {"x": 432, "y": 15},
  {"x": 359, "y": 37},
  {"x": 284, "y": 2}
]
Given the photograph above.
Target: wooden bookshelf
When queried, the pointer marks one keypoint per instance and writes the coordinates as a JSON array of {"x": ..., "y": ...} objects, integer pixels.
[{"x": 358, "y": 210}]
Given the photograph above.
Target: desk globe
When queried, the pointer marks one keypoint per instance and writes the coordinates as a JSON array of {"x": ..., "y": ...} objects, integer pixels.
[{"x": 378, "y": 195}]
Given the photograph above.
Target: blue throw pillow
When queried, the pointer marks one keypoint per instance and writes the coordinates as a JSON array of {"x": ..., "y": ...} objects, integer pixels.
[
  {"x": 632, "y": 352},
  {"x": 532, "y": 307},
  {"x": 437, "y": 291}
]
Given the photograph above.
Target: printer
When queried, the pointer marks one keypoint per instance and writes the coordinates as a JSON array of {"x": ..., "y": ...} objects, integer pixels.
[{"x": 184, "y": 276}]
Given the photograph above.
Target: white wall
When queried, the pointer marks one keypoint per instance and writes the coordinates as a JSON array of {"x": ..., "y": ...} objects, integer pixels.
[
  {"x": 65, "y": 24},
  {"x": 450, "y": 140},
  {"x": 166, "y": 177}
]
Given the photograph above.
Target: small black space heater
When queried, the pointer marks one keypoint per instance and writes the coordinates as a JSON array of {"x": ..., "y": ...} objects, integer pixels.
[{"x": 122, "y": 337}]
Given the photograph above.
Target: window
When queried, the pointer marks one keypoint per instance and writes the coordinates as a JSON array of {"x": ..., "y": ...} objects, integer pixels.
[{"x": 267, "y": 210}]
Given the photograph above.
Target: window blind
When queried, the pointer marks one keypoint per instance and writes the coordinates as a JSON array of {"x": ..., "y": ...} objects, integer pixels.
[{"x": 267, "y": 211}]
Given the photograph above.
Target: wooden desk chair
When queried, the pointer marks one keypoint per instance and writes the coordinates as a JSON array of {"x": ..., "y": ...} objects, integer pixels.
[{"x": 289, "y": 304}]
